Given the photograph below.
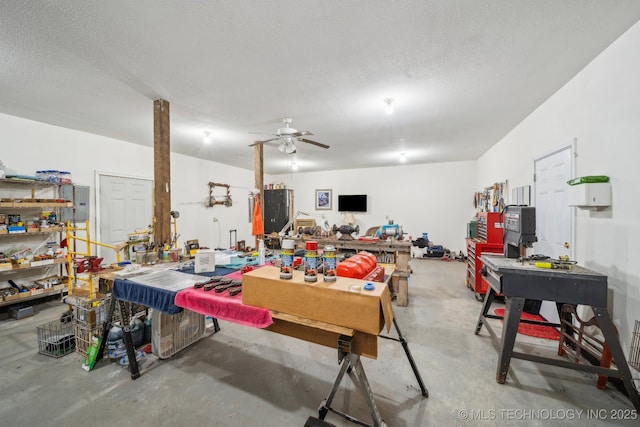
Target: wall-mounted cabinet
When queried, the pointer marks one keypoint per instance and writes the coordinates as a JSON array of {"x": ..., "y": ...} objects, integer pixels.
[
  {"x": 590, "y": 195},
  {"x": 278, "y": 209}
]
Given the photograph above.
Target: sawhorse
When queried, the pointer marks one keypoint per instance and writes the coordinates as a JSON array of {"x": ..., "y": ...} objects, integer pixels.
[
  {"x": 125, "y": 317},
  {"x": 351, "y": 364},
  {"x": 124, "y": 308}
]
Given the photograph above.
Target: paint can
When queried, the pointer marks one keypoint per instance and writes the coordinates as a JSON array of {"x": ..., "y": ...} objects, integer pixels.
[
  {"x": 311, "y": 261},
  {"x": 329, "y": 264},
  {"x": 286, "y": 259}
]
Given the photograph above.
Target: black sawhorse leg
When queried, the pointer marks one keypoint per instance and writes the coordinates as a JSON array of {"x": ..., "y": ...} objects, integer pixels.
[
  {"x": 350, "y": 362},
  {"x": 405, "y": 345},
  {"x": 126, "y": 332}
]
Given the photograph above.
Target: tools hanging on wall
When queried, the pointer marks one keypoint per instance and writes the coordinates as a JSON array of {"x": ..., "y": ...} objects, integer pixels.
[
  {"x": 219, "y": 200},
  {"x": 490, "y": 199}
]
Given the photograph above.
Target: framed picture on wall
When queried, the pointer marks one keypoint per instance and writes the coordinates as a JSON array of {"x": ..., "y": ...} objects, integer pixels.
[{"x": 323, "y": 200}]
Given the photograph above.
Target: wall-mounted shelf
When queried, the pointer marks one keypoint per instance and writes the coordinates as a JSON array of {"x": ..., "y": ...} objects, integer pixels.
[
  {"x": 32, "y": 265},
  {"x": 28, "y": 296},
  {"x": 4, "y": 233},
  {"x": 34, "y": 204}
]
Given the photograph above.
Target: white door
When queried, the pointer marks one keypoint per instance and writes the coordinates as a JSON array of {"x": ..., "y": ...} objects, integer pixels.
[
  {"x": 126, "y": 206},
  {"x": 554, "y": 217}
]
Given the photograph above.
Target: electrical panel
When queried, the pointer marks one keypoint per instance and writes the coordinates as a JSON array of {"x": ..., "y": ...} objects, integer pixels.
[{"x": 79, "y": 195}]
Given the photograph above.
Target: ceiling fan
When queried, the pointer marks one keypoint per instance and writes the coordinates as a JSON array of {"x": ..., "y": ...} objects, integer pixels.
[{"x": 288, "y": 136}]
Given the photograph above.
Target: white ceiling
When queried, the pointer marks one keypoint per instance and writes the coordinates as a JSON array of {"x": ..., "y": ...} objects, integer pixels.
[{"x": 462, "y": 73}]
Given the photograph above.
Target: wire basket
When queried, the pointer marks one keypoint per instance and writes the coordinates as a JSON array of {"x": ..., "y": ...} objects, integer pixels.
[
  {"x": 56, "y": 339},
  {"x": 91, "y": 313},
  {"x": 84, "y": 335}
]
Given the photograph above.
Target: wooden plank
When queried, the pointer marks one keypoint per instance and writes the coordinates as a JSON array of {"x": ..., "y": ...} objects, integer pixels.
[
  {"x": 402, "y": 298},
  {"x": 36, "y": 204},
  {"x": 161, "y": 173},
  {"x": 402, "y": 272},
  {"x": 362, "y": 343},
  {"x": 312, "y": 323}
]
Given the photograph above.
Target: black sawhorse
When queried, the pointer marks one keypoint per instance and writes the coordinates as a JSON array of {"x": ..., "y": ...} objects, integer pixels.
[
  {"x": 124, "y": 308},
  {"x": 351, "y": 364}
]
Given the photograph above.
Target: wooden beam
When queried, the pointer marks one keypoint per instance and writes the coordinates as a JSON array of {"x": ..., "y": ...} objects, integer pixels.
[
  {"x": 258, "y": 164},
  {"x": 161, "y": 174}
]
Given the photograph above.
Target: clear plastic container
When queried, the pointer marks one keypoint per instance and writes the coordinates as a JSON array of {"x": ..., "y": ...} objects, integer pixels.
[
  {"x": 52, "y": 176},
  {"x": 65, "y": 177}
]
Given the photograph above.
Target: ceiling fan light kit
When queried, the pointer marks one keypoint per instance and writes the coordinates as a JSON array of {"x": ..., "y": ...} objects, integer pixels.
[{"x": 288, "y": 136}]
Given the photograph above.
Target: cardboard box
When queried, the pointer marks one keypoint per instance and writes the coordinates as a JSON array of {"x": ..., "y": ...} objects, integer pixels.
[
  {"x": 205, "y": 261},
  {"x": 42, "y": 262},
  {"x": 13, "y": 297},
  {"x": 329, "y": 302},
  {"x": 22, "y": 295}
]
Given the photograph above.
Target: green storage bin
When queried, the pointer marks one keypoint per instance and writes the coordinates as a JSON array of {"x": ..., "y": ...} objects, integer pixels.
[
  {"x": 472, "y": 229},
  {"x": 588, "y": 179}
]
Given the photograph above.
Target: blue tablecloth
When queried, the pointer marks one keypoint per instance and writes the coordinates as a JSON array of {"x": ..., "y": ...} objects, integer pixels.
[{"x": 156, "y": 297}]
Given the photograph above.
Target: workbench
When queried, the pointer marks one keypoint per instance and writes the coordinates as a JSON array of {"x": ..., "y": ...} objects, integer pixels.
[
  {"x": 399, "y": 249},
  {"x": 519, "y": 280},
  {"x": 350, "y": 342}
]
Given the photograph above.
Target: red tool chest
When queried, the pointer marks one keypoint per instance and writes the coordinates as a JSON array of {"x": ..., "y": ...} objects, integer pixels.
[{"x": 489, "y": 240}]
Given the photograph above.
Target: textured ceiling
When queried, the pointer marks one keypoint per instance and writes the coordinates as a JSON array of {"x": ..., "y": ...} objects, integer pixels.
[{"x": 462, "y": 73}]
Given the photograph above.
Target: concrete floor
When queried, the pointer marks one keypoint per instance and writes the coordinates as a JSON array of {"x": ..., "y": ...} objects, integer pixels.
[{"x": 249, "y": 377}]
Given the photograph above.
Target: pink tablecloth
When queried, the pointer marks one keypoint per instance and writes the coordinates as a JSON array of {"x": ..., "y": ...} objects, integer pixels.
[{"x": 222, "y": 306}]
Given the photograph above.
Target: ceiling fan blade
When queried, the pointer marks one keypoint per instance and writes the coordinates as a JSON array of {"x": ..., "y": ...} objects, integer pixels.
[
  {"x": 262, "y": 142},
  {"x": 308, "y": 141},
  {"x": 302, "y": 133}
]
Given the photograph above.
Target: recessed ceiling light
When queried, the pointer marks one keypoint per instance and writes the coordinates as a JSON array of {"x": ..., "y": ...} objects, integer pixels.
[
  {"x": 207, "y": 137},
  {"x": 403, "y": 157},
  {"x": 388, "y": 109}
]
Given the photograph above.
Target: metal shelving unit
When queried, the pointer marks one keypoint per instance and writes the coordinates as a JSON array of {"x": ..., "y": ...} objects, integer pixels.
[{"x": 29, "y": 198}]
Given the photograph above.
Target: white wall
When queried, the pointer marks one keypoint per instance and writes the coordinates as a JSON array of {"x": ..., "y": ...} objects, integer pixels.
[
  {"x": 28, "y": 146},
  {"x": 432, "y": 198},
  {"x": 600, "y": 107}
]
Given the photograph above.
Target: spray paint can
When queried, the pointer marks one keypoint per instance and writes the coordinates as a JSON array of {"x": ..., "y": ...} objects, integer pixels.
[
  {"x": 286, "y": 259},
  {"x": 329, "y": 264},
  {"x": 311, "y": 261}
]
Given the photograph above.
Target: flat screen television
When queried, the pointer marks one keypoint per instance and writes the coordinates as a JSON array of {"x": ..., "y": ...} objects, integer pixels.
[{"x": 352, "y": 202}]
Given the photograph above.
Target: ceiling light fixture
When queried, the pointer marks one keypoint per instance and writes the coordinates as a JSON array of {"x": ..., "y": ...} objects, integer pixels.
[
  {"x": 207, "y": 137},
  {"x": 294, "y": 166},
  {"x": 403, "y": 157},
  {"x": 388, "y": 109},
  {"x": 287, "y": 145}
]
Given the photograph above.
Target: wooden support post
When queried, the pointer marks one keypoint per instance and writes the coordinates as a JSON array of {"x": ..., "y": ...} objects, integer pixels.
[
  {"x": 258, "y": 165},
  {"x": 161, "y": 174},
  {"x": 403, "y": 272}
]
